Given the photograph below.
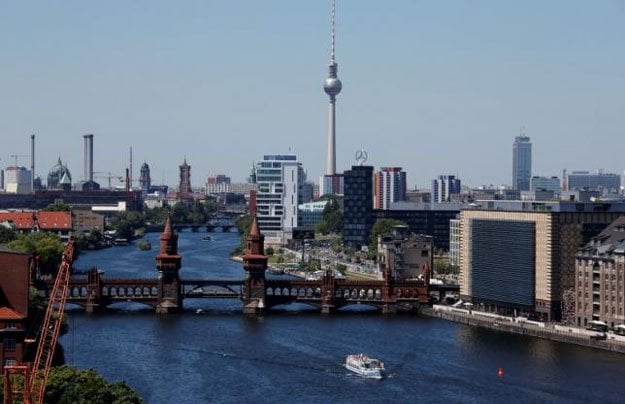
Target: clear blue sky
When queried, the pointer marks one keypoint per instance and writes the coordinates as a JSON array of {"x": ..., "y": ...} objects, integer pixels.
[{"x": 432, "y": 86}]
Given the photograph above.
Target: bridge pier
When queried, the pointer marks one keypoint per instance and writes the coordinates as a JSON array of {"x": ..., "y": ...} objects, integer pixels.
[
  {"x": 389, "y": 308},
  {"x": 92, "y": 308},
  {"x": 328, "y": 309},
  {"x": 255, "y": 307},
  {"x": 167, "y": 306}
]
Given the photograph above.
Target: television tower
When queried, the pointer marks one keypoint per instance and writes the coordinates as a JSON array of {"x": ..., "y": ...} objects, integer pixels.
[{"x": 332, "y": 86}]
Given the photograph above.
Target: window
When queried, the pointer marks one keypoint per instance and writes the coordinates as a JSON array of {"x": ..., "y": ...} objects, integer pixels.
[{"x": 9, "y": 344}]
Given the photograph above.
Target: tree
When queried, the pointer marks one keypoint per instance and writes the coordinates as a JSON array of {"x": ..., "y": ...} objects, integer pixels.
[
  {"x": 57, "y": 207},
  {"x": 382, "y": 226},
  {"x": 331, "y": 217},
  {"x": 244, "y": 224},
  {"x": 6, "y": 235},
  {"x": 126, "y": 223},
  {"x": 47, "y": 247}
]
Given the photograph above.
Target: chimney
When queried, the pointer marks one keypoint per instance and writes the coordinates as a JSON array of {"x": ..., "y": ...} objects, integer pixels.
[
  {"x": 32, "y": 163},
  {"x": 88, "y": 168}
]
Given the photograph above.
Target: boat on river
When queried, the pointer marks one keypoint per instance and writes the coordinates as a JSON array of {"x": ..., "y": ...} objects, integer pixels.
[
  {"x": 206, "y": 238},
  {"x": 365, "y": 366}
]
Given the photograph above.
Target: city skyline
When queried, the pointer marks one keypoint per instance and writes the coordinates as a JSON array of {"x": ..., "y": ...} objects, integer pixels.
[{"x": 192, "y": 81}]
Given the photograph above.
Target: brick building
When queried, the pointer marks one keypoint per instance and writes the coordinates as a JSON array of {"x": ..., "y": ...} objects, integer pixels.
[{"x": 14, "y": 282}]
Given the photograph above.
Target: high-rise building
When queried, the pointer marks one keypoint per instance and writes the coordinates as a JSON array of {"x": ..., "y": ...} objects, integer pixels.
[
  {"x": 17, "y": 180},
  {"x": 454, "y": 242},
  {"x": 390, "y": 186},
  {"x": 444, "y": 187},
  {"x": 145, "y": 182},
  {"x": 279, "y": 178},
  {"x": 521, "y": 163},
  {"x": 599, "y": 181},
  {"x": 332, "y": 86},
  {"x": 184, "y": 188},
  {"x": 357, "y": 205}
]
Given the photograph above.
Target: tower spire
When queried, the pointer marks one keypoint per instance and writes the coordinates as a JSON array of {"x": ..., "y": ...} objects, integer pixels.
[{"x": 332, "y": 87}]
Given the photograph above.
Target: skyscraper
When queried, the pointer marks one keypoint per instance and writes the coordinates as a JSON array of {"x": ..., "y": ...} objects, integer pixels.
[
  {"x": 521, "y": 162},
  {"x": 358, "y": 206},
  {"x": 332, "y": 86},
  {"x": 444, "y": 186},
  {"x": 390, "y": 186}
]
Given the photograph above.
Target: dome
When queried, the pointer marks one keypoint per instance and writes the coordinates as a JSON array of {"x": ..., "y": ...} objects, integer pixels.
[
  {"x": 57, "y": 173},
  {"x": 332, "y": 86}
]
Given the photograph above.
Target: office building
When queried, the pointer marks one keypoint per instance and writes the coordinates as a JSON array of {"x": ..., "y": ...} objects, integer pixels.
[
  {"x": 358, "y": 206},
  {"x": 390, "y": 186},
  {"x": 278, "y": 178},
  {"x": 521, "y": 163},
  {"x": 518, "y": 258},
  {"x": 444, "y": 187},
  {"x": 17, "y": 180},
  {"x": 310, "y": 214},
  {"x": 546, "y": 184},
  {"x": 454, "y": 242},
  {"x": 584, "y": 180}
]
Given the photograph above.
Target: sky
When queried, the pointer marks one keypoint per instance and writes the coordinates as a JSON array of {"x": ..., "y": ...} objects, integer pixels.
[{"x": 435, "y": 87}]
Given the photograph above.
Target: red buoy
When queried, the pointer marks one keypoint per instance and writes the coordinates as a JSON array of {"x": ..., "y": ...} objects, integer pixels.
[{"x": 500, "y": 372}]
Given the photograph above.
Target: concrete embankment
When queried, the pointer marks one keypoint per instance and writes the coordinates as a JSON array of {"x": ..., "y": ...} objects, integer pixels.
[{"x": 552, "y": 332}]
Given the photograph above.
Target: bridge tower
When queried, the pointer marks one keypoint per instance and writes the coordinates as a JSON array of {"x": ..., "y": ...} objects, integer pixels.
[
  {"x": 255, "y": 265},
  {"x": 168, "y": 263}
]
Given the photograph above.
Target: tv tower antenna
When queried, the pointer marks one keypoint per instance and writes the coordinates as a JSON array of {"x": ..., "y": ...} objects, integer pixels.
[{"x": 332, "y": 86}]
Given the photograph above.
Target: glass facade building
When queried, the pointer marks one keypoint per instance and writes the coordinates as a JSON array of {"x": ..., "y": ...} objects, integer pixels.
[
  {"x": 521, "y": 163},
  {"x": 357, "y": 205}
]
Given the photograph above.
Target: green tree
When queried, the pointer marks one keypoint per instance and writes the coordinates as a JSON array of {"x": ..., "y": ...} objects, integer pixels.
[
  {"x": 57, "y": 207},
  {"x": 382, "y": 226},
  {"x": 47, "y": 247},
  {"x": 6, "y": 235},
  {"x": 126, "y": 223},
  {"x": 244, "y": 224},
  {"x": 332, "y": 217}
]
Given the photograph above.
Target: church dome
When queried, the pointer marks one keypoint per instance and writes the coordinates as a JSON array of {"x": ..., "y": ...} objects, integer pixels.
[{"x": 57, "y": 173}]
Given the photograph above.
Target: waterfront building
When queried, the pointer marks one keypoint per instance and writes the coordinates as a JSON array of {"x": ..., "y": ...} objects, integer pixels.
[
  {"x": 546, "y": 183},
  {"x": 454, "y": 242},
  {"x": 600, "y": 277},
  {"x": 599, "y": 181},
  {"x": 59, "y": 223},
  {"x": 390, "y": 186},
  {"x": 444, "y": 187},
  {"x": 358, "y": 206},
  {"x": 521, "y": 163},
  {"x": 145, "y": 182},
  {"x": 184, "y": 187},
  {"x": 424, "y": 218},
  {"x": 17, "y": 180},
  {"x": 59, "y": 176},
  {"x": 14, "y": 286},
  {"x": 310, "y": 214},
  {"x": 279, "y": 178},
  {"x": 519, "y": 257},
  {"x": 409, "y": 255}
]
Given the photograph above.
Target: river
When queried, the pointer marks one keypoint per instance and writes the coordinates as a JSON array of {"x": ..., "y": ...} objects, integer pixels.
[{"x": 296, "y": 354}]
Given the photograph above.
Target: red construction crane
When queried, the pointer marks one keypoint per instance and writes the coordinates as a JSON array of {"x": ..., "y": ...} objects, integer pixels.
[{"x": 35, "y": 375}]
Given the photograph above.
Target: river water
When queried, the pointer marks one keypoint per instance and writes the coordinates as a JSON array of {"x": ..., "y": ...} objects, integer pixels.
[{"x": 296, "y": 354}]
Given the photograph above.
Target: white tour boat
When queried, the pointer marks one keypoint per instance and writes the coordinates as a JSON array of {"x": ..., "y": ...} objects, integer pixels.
[{"x": 365, "y": 366}]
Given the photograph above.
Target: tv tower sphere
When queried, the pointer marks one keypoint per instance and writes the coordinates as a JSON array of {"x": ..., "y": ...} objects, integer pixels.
[{"x": 332, "y": 86}]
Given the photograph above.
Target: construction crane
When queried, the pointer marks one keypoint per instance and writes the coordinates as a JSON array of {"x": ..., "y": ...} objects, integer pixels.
[
  {"x": 109, "y": 176},
  {"x": 35, "y": 375}
]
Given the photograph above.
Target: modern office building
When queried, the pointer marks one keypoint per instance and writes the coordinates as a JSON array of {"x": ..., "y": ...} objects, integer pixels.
[
  {"x": 519, "y": 257},
  {"x": 546, "y": 183},
  {"x": 521, "y": 163},
  {"x": 444, "y": 187},
  {"x": 358, "y": 206},
  {"x": 584, "y": 180},
  {"x": 424, "y": 218},
  {"x": 17, "y": 180},
  {"x": 454, "y": 242},
  {"x": 331, "y": 184},
  {"x": 310, "y": 214},
  {"x": 600, "y": 277},
  {"x": 279, "y": 179},
  {"x": 390, "y": 186}
]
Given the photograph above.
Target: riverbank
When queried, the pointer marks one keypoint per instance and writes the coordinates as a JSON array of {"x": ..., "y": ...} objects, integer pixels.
[{"x": 553, "y": 332}]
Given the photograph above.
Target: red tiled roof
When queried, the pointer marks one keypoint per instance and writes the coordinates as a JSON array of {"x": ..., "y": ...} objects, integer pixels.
[
  {"x": 9, "y": 314},
  {"x": 46, "y": 220}
]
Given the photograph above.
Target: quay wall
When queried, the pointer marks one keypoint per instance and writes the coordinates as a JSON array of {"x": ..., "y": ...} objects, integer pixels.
[{"x": 571, "y": 335}]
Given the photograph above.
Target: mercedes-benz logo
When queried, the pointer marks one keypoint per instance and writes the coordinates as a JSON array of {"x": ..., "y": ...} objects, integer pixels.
[{"x": 361, "y": 156}]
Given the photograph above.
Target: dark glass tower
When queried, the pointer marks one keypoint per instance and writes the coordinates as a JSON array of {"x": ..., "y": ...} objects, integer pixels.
[{"x": 357, "y": 205}]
